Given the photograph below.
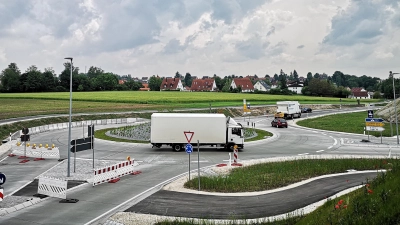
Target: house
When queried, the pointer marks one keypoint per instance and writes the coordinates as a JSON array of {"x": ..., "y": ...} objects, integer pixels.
[
  {"x": 145, "y": 80},
  {"x": 262, "y": 86},
  {"x": 145, "y": 87},
  {"x": 244, "y": 83},
  {"x": 207, "y": 84},
  {"x": 170, "y": 83},
  {"x": 295, "y": 87},
  {"x": 121, "y": 81},
  {"x": 359, "y": 93}
]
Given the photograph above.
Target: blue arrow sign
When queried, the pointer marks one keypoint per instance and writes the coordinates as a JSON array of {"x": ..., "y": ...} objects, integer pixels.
[
  {"x": 2, "y": 178},
  {"x": 189, "y": 148},
  {"x": 373, "y": 120}
]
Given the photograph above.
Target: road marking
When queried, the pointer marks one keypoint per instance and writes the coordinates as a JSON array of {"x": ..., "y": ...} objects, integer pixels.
[
  {"x": 331, "y": 137},
  {"x": 199, "y": 161},
  {"x": 335, "y": 142},
  {"x": 323, "y": 134},
  {"x": 320, "y": 150},
  {"x": 330, "y": 147},
  {"x": 341, "y": 141},
  {"x": 304, "y": 154}
]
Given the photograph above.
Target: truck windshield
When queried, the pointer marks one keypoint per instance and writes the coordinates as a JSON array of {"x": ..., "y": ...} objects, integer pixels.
[{"x": 237, "y": 131}]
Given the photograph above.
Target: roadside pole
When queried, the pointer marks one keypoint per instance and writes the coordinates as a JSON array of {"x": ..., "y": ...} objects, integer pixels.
[
  {"x": 391, "y": 128},
  {"x": 198, "y": 162}
]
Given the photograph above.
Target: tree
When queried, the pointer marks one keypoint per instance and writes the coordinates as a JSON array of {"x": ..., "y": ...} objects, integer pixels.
[
  {"x": 94, "y": 72},
  {"x": 107, "y": 81},
  {"x": 295, "y": 76},
  {"x": 10, "y": 78},
  {"x": 133, "y": 85},
  {"x": 377, "y": 95},
  {"x": 49, "y": 79},
  {"x": 309, "y": 76},
  {"x": 34, "y": 80},
  {"x": 219, "y": 82},
  {"x": 316, "y": 75},
  {"x": 188, "y": 79},
  {"x": 155, "y": 83},
  {"x": 66, "y": 74},
  {"x": 178, "y": 75}
]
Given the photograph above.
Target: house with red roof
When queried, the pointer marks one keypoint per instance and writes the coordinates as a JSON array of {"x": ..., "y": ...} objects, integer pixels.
[
  {"x": 244, "y": 83},
  {"x": 170, "y": 83},
  {"x": 206, "y": 84},
  {"x": 359, "y": 93}
]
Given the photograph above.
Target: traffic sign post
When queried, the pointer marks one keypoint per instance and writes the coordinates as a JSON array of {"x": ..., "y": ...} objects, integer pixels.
[
  {"x": 189, "y": 148},
  {"x": 370, "y": 113}
]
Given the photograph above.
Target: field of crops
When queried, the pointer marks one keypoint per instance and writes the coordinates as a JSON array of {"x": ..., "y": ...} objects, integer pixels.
[{"x": 166, "y": 97}]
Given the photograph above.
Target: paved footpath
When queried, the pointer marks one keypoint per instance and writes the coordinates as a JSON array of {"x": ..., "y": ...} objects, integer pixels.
[{"x": 179, "y": 204}]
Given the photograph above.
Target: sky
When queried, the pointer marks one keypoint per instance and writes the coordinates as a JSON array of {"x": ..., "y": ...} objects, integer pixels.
[{"x": 203, "y": 37}]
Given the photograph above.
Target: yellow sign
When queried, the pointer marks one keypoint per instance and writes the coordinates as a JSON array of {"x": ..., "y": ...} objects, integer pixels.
[{"x": 374, "y": 124}]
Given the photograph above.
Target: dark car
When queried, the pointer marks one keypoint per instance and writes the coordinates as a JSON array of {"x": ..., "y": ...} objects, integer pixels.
[
  {"x": 279, "y": 122},
  {"x": 306, "y": 110}
]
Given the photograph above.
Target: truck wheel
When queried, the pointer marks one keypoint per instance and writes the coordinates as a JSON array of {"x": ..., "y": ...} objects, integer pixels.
[
  {"x": 177, "y": 147},
  {"x": 158, "y": 145}
]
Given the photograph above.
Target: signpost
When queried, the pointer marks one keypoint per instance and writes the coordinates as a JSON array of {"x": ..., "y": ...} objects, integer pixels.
[
  {"x": 374, "y": 124},
  {"x": 82, "y": 144},
  {"x": 188, "y": 147}
]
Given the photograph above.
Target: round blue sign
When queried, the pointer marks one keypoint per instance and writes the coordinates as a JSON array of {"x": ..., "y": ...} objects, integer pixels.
[
  {"x": 189, "y": 148},
  {"x": 2, "y": 178}
]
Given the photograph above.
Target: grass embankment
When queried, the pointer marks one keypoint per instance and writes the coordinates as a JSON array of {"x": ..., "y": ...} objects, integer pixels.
[
  {"x": 346, "y": 122},
  {"x": 376, "y": 203}
]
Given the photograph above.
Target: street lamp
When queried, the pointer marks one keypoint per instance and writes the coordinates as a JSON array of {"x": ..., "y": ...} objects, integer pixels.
[
  {"x": 70, "y": 113},
  {"x": 394, "y": 105}
]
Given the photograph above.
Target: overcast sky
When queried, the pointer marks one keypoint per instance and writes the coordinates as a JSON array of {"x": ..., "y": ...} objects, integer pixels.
[{"x": 203, "y": 37}]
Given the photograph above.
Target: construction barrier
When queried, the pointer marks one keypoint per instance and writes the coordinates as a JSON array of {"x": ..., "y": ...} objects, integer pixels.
[
  {"x": 112, "y": 172},
  {"x": 31, "y": 151},
  {"x": 53, "y": 187},
  {"x": 1, "y": 194}
]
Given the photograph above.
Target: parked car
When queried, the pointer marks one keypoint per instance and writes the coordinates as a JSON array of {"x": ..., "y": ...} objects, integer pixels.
[
  {"x": 279, "y": 122},
  {"x": 306, "y": 110}
]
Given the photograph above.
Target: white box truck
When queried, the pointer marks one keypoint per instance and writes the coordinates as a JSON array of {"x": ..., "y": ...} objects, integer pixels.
[
  {"x": 288, "y": 109},
  {"x": 213, "y": 130}
]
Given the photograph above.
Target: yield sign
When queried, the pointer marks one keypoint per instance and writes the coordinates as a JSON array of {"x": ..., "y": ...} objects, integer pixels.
[{"x": 188, "y": 135}]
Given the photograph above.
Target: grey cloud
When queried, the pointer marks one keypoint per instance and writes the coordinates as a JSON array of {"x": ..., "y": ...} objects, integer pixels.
[
  {"x": 12, "y": 10},
  {"x": 173, "y": 46},
  {"x": 361, "y": 22},
  {"x": 271, "y": 31},
  {"x": 228, "y": 10},
  {"x": 276, "y": 49},
  {"x": 300, "y": 46},
  {"x": 253, "y": 48}
]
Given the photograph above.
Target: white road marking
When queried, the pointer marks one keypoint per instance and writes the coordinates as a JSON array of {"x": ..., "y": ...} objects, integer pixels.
[
  {"x": 320, "y": 150},
  {"x": 199, "y": 161},
  {"x": 323, "y": 134},
  {"x": 341, "y": 141},
  {"x": 330, "y": 147},
  {"x": 335, "y": 142}
]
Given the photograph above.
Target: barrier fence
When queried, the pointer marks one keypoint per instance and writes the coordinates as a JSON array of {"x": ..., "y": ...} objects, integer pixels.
[
  {"x": 53, "y": 187},
  {"x": 59, "y": 126},
  {"x": 108, "y": 173}
]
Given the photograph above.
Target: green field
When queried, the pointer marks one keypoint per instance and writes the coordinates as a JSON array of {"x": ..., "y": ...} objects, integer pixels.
[
  {"x": 173, "y": 97},
  {"x": 29, "y": 104}
]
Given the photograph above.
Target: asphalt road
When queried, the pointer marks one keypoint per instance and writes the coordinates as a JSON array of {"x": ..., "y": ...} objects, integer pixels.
[{"x": 158, "y": 166}]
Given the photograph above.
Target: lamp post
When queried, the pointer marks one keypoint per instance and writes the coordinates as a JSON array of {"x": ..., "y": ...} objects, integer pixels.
[
  {"x": 70, "y": 113},
  {"x": 394, "y": 105}
]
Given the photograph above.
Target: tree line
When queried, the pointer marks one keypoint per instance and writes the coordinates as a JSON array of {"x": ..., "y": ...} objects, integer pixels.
[{"x": 96, "y": 79}]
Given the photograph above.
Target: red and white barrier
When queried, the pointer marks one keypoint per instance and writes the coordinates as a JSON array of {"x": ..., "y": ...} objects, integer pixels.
[
  {"x": 235, "y": 155},
  {"x": 112, "y": 172},
  {"x": 1, "y": 194}
]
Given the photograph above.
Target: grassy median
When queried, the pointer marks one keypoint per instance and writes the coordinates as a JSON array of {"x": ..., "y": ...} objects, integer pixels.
[{"x": 375, "y": 203}]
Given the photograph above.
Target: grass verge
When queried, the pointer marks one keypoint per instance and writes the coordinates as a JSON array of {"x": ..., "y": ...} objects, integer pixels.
[{"x": 344, "y": 122}]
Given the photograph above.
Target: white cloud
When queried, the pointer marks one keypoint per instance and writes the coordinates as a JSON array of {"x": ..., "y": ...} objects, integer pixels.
[{"x": 203, "y": 37}]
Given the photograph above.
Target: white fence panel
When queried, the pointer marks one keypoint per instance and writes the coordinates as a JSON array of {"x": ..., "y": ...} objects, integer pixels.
[{"x": 53, "y": 187}]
